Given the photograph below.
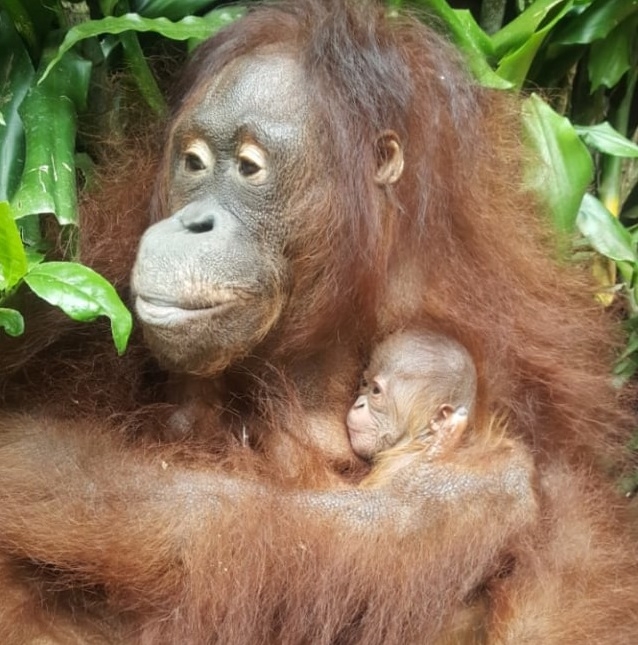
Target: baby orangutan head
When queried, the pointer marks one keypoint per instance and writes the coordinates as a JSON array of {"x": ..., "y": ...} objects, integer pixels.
[{"x": 419, "y": 386}]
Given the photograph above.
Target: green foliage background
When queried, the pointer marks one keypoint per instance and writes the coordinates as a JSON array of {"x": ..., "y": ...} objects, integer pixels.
[{"x": 576, "y": 61}]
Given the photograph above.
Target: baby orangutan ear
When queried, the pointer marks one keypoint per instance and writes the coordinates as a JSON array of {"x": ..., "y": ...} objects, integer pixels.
[
  {"x": 442, "y": 420},
  {"x": 445, "y": 411},
  {"x": 389, "y": 154},
  {"x": 446, "y": 430}
]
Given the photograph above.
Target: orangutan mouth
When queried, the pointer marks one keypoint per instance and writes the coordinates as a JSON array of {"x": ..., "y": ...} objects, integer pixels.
[{"x": 162, "y": 312}]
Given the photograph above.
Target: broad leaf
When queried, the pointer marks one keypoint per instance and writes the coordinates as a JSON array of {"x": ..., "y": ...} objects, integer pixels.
[
  {"x": 11, "y": 321},
  {"x": 612, "y": 57},
  {"x": 33, "y": 258},
  {"x": 186, "y": 29},
  {"x": 604, "y": 232},
  {"x": 13, "y": 260},
  {"x": 597, "y": 21},
  {"x": 82, "y": 294},
  {"x": 515, "y": 34},
  {"x": 565, "y": 169},
  {"x": 49, "y": 115},
  {"x": 16, "y": 76},
  {"x": 604, "y": 138},
  {"x": 470, "y": 30},
  {"x": 461, "y": 25},
  {"x": 470, "y": 38},
  {"x": 515, "y": 66}
]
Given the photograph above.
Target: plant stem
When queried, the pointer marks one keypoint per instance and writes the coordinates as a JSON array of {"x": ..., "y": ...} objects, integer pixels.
[{"x": 142, "y": 72}]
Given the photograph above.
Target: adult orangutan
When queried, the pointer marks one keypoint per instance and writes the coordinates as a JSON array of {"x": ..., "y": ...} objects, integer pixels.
[{"x": 329, "y": 175}]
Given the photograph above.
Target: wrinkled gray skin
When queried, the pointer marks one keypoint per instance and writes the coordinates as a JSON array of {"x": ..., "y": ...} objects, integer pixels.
[{"x": 210, "y": 280}]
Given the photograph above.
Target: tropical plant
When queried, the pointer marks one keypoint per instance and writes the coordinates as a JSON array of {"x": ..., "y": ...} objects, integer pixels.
[{"x": 53, "y": 59}]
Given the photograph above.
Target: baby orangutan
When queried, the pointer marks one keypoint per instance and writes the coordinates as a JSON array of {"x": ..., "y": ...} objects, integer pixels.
[{"x": 415, "y": 399}]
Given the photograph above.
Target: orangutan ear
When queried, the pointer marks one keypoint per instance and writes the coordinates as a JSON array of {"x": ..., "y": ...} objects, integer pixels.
[
  {"x": 389, "y": 154},
  {"x": 445, "y": 411}
]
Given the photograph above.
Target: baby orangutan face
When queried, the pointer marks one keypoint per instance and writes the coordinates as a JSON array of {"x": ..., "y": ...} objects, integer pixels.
[
  {"x": 419, "y": 387},
  {"x": 369, "y": 424}
]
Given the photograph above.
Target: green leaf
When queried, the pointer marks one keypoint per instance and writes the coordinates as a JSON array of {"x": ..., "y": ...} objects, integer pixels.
[
  {"x": 142, "y": 72},
  {"x": 631, "y": 347},
  {"x": 612, "y": 57},
  {"x": 565, "y": 167},
  {"x": 171, "y": 9},
  {"x": 604, "y": 232},
  {"x": 470, "y": 31},
  {"x": 186, "y": 29},
  {"x": 13, "y": 260},
  {"x": 33, "y": 258},
  {"x": 49, "y": 115},
  {"x": 597, "y": 21},
  {"x": 515, "y": 66},
  {"x": 82, "y": 294},
  {"x": 462, "y": 26},
  {"x": 485, "y": 75},
  {"x": 11, "y": 321},
  {"x": 16, "y": 76},
  {"x": 31, "y": 231},
  {"x": 516, "y": 33},
  {"x": 23, "y": 22},
  {"x": 108, "y": 6},
  {"x": 32, "y": 19},
  {"x": 605, "y": 139},
  {"x": 471, "y": 39}
]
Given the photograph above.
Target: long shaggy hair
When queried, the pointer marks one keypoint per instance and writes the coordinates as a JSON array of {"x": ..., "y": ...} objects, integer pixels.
[{"x": 149, "y": 541}]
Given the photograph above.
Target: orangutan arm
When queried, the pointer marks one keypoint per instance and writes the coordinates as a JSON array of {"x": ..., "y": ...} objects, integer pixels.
[
  {"x": 150, "y": 524},
  {"x": 497, "y": 484}
]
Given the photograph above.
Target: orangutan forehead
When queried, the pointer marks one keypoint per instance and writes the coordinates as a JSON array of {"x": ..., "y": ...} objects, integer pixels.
[
  {"x": 264, "y": 87},
  {"x": 412, "y": 354}
]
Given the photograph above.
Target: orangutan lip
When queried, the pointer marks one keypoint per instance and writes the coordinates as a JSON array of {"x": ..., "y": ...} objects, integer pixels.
[{"x": 165, "y": 313}]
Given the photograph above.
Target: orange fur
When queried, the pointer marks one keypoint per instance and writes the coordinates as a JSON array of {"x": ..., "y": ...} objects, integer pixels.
[
  {"x": 110, "y": 533},
  {"x": 388, "y": 463}
]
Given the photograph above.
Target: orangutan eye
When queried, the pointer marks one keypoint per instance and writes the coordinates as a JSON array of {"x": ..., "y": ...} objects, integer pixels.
[
  {"x": 193, "y": 163},
  {"x": 251, "y": 162},
  {"x": 376, "y": 388},
  {"x": 248, "y": 168},
  {"x": 197, "y": 156}
]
